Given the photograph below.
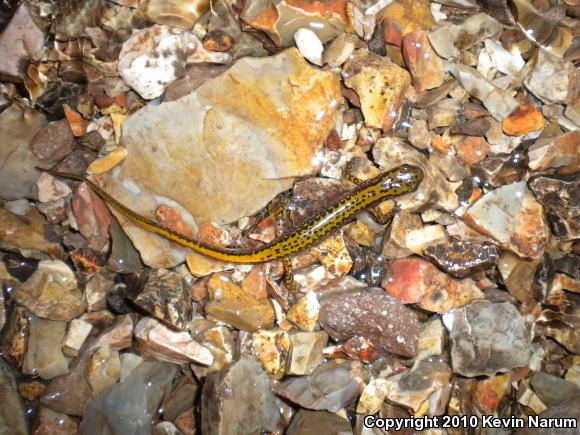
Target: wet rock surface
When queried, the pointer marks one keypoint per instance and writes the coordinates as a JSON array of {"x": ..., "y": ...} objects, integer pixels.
[{"x": 234, "y": 123}]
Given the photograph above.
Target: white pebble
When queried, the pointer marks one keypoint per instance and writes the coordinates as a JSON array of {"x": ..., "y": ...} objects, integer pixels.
[{"x": 309, "y": 45}]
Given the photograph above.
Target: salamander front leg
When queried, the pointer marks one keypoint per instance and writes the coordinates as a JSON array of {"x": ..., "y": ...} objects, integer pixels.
[
  {"x": 289, "y": 276},
  {"x": 347, "y": 174}
]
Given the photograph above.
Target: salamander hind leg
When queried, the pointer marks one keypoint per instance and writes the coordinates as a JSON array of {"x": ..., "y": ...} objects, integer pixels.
[{"x": 289, "y": 276}]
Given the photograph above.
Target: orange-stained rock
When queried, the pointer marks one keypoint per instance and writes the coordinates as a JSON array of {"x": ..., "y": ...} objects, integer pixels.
[
  {"x": 77, "y": 123},
  {"x": 525, "y": 119},
  {"x": 472, "y": 149},
  {"x": 416, "y": 281},
  {"x": 425, "y": 66},
  {"x": 410, "y": 15},
  {"x": 213, "y": 235},
  {"x": 255, "y": 283},
  {"x": 380, "y": 84},
  {"x": 170, "y": 218},
  {"x": 489, "y": 392},
  {"x": 281, "y": 19}
]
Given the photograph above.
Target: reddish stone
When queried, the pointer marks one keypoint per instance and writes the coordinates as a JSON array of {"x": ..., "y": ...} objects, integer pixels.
[
  {"x": 472, "y": 149},
  {"x": 392, "y": 32},
  {"x": 525, "y": 119},
  {"x": 77, "y": 123},
  {"x": 213, "y": 235},
  {"x": 171, "y": 218},
  {"x": 92, "y": 215},
  {"x": 425, "y": 66}
]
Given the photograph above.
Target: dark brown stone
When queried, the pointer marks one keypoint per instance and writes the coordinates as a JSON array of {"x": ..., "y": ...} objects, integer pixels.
[
  {"x": 374, "y": 315},
  {"x": 14, "y": 336},
  {"x": 53, "y": 142},
  {"x": 218, "y": 40},
  {"x": 462, "y": 258},
  {"x": 475, "y": 127},
  {"x": 195, "y": 75},
  {"x": 318, "y": 422}
]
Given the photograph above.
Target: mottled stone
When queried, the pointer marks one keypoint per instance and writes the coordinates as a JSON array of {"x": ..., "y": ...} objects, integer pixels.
[
  {"x": 561, "y": 152},
  {"x": 165, "y": 344},
  {"x": 552, "y": 390},
  {"x": 53, "y": 142},
  {"x": 570, "y": 410},
  {"x": 26, "y": 233},
  {"x": 52, "y": 292},
  {"x": 394, "y": 241},
  {"x": 44, "y": 355},
  {"x": 424, "y": 64},
  {"x": 472, "y": 149},
  {"x": 271, "y": 348},
  {"x": 407, "y": 16},
  {"x": 422, "y": 383},
  {"x": 552, "y": 80},
  {"x": 12, "y": 414},
  {"x": 370, "y": 313},
  {"x": 462, "y": 258},
  {"x": 14, "y": 336},
  {"x": 141, "y": 394},
  {"x": 103, "y": 370},
  {"x": 512, "y": 216},
  {"x": 450, "y": 39},
  {"x": 21, "y": 41},
  {"x": 432, "y": 339},
  {"x": 118, "y": 335},
  {"x": 473, "y": 127},
  {"x": 330, "y": 387},
  {"x": 51, "y": 189},
  {"x": 489, "y": 392},
  {"x": 230, "y": 304},
  {"x": 306, "y": 352},
  {"x": 417, "y": 240},
  {"x": 525, "y": 119},
  {"x": 164, "y": 294},
  {"x": 416, "y": 281},
  {"x": 487, "y": 338},
  {"x": 307, "y": 422},
  {"x": 305, "y": 312},
  {"x": 380, "y": 84},
  {"x": 239, "y": 399},
  {"x": 281, "y": 19},
  {"x": 561, "y": 200},
  {"x": 18, "y": 173}
]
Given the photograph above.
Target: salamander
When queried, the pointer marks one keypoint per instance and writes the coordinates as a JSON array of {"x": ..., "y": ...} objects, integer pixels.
[{"x": 389, "y": 184}]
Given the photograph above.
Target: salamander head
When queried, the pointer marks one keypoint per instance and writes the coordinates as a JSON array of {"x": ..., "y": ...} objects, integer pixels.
[{"x": 404, "y": 179}]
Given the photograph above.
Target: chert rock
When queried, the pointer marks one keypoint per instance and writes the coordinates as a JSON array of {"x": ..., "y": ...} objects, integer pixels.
[
  {"x": 561, "y": 152},
  {"x": 552, "y": 80},
  {"x": 51, "y": 422},
  {"x": 52, "y": 142},
  {"x": 306, "y": 352},
  {"x": 307, "y": 422},
  {"x": 487, "y": 338},
  {"x": 12, "y": 413},
  {"x": 44, "y": 355},
  {"x": 239, "y": 399},
  {"x": 460, "y": 259},
  {"x": 424, "y": 64}
]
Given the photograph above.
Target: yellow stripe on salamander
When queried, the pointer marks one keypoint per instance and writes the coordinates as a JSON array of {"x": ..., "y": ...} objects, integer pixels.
[{"x": 395, "y": 182}]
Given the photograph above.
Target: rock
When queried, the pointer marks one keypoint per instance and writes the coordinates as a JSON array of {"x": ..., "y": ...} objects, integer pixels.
[
  {"x": 394, "y": 242},
  {"x": 129, "y": 362},
  {"x": 449, "y": 40},
  {"x": 182, "y": 398},
  {"x": 164, "y": 294},
  {"x": 68, "y": 394},
  {"x": 474, "y": 127},
  {"x": 416, "y": 281},
  {"x": 330, "y": 387},
  {"x": 506, "y": 62},
  {"x": 424, "y": 64},
  {"x": 417, "y": 240},
  {"x": 431, "y": 340},
  {"x": 355, "y": 348},
  {"x": 18, "y": 164},
  {"x": 511, "y": 215},
  {"x": 26, "y": 233},
  {"x": 552, "y": 390},
  {"x": 51, "y": 292},
  {"x": 213, "y": 105},
  {"x": 462, "y": 258},
  {"x": 499, "y": 103},
  {"x": 472, "y": 150},
  {"x": 96, "y": 290},
  {"x": 194, "y": 76},
  {"x": 166, "y": 428},
  {"x": 14, "y": 336},
  {"x": 333, "y": 254},
  {"x": 406, "y": 16},
  {"x": 124, "y": 257},
  {"x": 305, "y": 312},
  {"x": 487, "y": 338},
  {"x": 368, "y": 313},
  {"x": 339, "y": 50},
  {"x": 54, "y": 423},
  {"x": 12, "y": 414},
  {"x": 21, "y": 41},
  {"x": 281, "y": 19},
  {"x": 108, "y": 161},
  {"x": 380, "y": 84},
  {"x": 552, "y": 80},
  {"x": 307, "y": 422},
  {"x": 44, "y": 355},
  {"x": 372, "y": 397},
  {"x": 53, "y": 142},
  {"x": 154, "y": 57},
  {"x": 560, "y": 197},
  {"x": 271, "y": 348},
  {"x": 141, "y": 394},
  {"x": 525, "y": 119},
  {"x": 489, "y": 392},
  {"x": 553, "y": 414},
  {"x": 181, "y": 14},
  {"x": 420, "y": 384},
  {"x": 117, "y": 336},
  {"x": 51, "y": 189},
  {"x": 309, "y": 45},
  {"x": 162, "y": 343},
  {"x": 306, "y": 352},
  {"x": 77, "y": 333},
  {"x": 239, "y": 399},
  {"x": 218, "y": 40},
  {"x": 103, "y": 370},
  {"x": 561, "y": 152},
  {"x": 230, "y": 304}
]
